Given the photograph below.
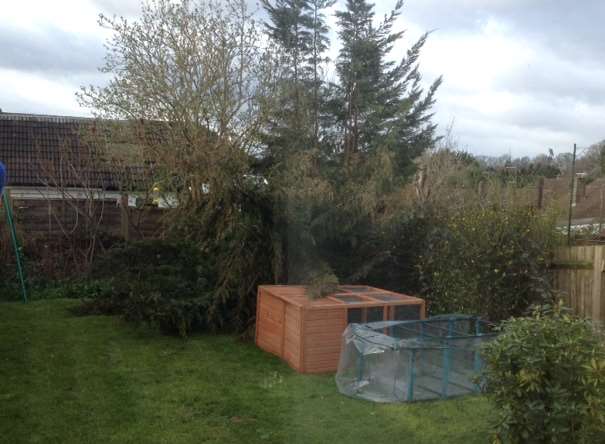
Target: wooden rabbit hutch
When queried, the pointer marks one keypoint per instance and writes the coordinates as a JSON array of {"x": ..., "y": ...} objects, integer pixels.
[{"x": 307, "y": 333}]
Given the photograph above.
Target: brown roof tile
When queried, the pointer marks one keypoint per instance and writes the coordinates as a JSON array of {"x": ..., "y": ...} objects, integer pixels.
[{"x": 39, "y": 150}]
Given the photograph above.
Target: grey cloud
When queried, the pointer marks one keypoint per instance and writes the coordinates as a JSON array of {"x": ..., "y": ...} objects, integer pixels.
[
  {"x": 15, "y": 101},
  {"x": 132, "y": 8},
  {"x": 51, "y": 50},
  {"x": 124, "y": 8},
  {"x": 557, "y": 81},
  {"x": 571, "y": 28},
  {"x": 494, "y": 137},
  {"x": 529, "y": 128},
  {"x": 558, "y": 96},
  {"x": 555, "y": 117},
  {"x": 14, "y": 104}
]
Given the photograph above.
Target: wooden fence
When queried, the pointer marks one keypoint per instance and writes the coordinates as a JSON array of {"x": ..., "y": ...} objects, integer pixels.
[
  {"x": 37, "y": 218},
  {"x": 578, "y": 276}
]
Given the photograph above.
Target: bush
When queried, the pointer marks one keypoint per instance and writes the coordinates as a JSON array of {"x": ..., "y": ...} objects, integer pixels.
[
  {"x": 166, "y": 284},
  {"x": 171, "y": 316},
  {"x": 407, "y": 237},
  {"x": 546, "y": 375},
  {"x": 488, "y": 261},
  {"x": 75, "y": 289}
]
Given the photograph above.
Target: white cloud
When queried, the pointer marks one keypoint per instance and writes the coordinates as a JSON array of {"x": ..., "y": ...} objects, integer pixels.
[
  {"x": 33, "y": 93},
  {"x": 77, "y": 16}
]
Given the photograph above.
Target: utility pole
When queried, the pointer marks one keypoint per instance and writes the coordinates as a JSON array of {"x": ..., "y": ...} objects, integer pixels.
[
  {"x": 571, "y": 191},
  {"x": 601, "y": 213},
  {"x": 540, "y": 193}
]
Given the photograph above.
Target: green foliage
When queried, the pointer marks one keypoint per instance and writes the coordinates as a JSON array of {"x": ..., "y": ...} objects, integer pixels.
[
  {"x": 75, "y": 289},
  {"x": 407, "y": 236},
  {"x": 180, "y": 316},
  {"x": 546, "y": 375},
  {"x": 337, "y": 188},
  {"x": 236, "y": 234},
  {"x": 174, "y": 268},
  {"x": 167, "y": 284},
  {"x": 488, "y": 261}
]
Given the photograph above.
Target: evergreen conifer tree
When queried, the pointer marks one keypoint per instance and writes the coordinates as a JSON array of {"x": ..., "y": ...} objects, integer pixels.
[
  {"x": 340, "y": 153},
  {"x": 380, "y": 102}
]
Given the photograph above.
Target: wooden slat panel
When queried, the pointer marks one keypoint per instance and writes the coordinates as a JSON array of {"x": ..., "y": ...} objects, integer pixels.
[
  {"x": 41, "y": 217},
  {"x": 582, "y": 288},
  {"x": 270, "y": 323},
  {"x": 292, "y": 336}
]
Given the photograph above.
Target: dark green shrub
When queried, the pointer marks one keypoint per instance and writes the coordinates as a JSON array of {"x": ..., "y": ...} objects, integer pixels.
[
  {"x": 406, "y": 240},
  {"x": 171, "y": 316},
  {"x": 235, "y": 230},
  {"x": 546, "y": 375},
  {"x": 163, "y": 283},
  {"x": 488, "y": 261},
  {"x": 109, "y": 299},
  {"x": 157, "y": 262},
  {"x": 94, "y": 289}
]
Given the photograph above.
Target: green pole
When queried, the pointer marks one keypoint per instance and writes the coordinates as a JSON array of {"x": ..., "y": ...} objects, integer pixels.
[
  {"x": 412, "y": 380},
  {"x": 360, "y": 365},
  {"x": 11, "y": 226},
  {"x": 447, "y": 359},
  {"x": 477, "y": 364}
]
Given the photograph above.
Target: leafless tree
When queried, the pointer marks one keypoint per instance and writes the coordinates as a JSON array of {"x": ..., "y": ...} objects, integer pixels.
[{"x": 198, "y": 78}]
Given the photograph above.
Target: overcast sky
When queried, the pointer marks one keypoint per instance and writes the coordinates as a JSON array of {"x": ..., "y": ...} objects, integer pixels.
[{"x": 520, "y": 76}]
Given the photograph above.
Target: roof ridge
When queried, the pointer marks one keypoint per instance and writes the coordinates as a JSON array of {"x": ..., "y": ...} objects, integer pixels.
[{"x": 43, "y": 117}]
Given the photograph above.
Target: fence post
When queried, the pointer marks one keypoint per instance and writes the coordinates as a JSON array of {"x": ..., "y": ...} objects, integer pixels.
[{"x": 597, "y": 277}]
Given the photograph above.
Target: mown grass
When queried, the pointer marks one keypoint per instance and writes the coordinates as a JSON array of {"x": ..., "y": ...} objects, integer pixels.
[{"x": 67, "y": 379}]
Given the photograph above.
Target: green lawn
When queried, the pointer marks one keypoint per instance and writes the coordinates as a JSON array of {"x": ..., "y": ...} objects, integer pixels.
[{"x": 66, "y": 379}]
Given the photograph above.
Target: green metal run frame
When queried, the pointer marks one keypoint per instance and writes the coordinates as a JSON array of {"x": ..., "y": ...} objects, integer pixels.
[
  {"x": 18, "y": 258},
  {"x": 414, "y": 360},
  {"x": 446, "y": 342}
]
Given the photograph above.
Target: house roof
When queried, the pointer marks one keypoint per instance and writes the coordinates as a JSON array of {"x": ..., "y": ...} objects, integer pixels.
[{"x": 42, "y": 150}]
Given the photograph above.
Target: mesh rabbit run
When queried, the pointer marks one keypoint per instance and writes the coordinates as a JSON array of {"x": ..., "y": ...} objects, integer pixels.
[{"x": 403, "y": 361}]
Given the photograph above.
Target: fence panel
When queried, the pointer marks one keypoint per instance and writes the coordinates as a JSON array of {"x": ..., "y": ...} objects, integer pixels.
[
  {"x": 578, "y": 276},
  {"x": 51, "y": 218}
]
